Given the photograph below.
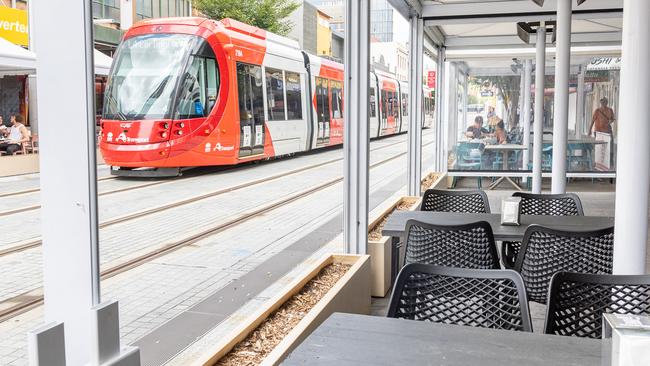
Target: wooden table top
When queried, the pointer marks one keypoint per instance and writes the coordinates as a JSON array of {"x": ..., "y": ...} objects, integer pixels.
[
  {"x": 349, "y": 339},
  {"x": 396, "y": 223}
]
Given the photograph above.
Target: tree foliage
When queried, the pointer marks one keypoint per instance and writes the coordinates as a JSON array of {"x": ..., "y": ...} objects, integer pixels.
[
  {"x": 270, "y": 15},
  {"x": 509, "y": 88}
]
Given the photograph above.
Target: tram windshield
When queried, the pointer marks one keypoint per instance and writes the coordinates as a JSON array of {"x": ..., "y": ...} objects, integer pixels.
[{"x": 145, "y": 76}]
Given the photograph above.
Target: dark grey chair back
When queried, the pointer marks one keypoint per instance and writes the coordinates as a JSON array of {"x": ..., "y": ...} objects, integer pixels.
[
  {"x": 577, "y": 301},
  {"x": 546, "y": 251},
  {"x": 464, "y": 246},
  {"x": 478, "y": 298},
  {"x": 440, "y": 200},
  {"x": 567, "y": 204}
]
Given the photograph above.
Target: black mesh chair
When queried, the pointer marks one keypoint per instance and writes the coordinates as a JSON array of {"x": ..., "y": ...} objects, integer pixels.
[
  {"x": 478, "y": 298},
  {"x": 440, "y": 200},
  {"x": 464, "y": 246},
  {"x": 577, "y": 301},
  {"x": 567, "y": 204},
  {"x": 545, "y": 252}
]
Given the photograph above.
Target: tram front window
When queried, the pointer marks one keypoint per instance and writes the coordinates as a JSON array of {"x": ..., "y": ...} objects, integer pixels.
[{"x": 142, "y": 82}]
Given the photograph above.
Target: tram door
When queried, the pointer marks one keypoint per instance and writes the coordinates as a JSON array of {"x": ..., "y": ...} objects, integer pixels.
[
  {"x": 251, "y": 109},
  {"x": 323, "y": 111}
]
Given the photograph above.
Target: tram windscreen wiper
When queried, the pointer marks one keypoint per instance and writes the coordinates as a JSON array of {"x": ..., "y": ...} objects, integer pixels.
[{"x": 150, "y": 100}]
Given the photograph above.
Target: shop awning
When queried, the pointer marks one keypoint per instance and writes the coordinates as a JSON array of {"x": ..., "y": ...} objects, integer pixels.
[
  {"x": 604, "y": 63},
  {"x": 15, "y": 59},
  {"x": 102, "y": 63}
]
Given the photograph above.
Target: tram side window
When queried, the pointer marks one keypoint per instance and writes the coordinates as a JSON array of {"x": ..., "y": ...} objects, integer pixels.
[
  {"x": 405, "y": 104},
  {"x": 373, "y": 103},
  {"x": 193, "y": 101},
  {"x": 294, "y": 95},
  {"x": 213, "y": 83},
  {"x": 395, "y": 105},
  {"x": 251, "y": 98},
  {"x": 322, "y": 100},
  {"x": 337, "y": 98},
  {"x": 384, "y": 104},
  {"x": 275, "y": 94}
]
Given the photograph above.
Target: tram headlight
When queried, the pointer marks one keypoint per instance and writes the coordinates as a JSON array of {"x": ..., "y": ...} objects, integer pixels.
[
  {"x": 163, "y": 134},
  {"x": 179, "y": 132},
  {"x": 163, "y": 125}
]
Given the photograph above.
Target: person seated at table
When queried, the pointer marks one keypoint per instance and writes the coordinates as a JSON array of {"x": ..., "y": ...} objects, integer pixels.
[
  {"x": 17, "y": 135},
  {"x": 476, "y": 130},
  {"x": 500, "y": 133}
]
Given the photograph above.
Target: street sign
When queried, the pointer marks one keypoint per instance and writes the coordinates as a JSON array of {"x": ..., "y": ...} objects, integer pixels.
[{"x": 431, "y": 79}]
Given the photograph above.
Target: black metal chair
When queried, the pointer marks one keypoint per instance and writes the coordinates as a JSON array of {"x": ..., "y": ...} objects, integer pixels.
[
  {"x": 440, "y": 200},
  {"x": 567, "y": 204},
  {"x": 478, "y": 298},
  {"x": 577, "y": 301},
  {"x": 546, "y": 251},
  {"x": 464, "y": 246}
]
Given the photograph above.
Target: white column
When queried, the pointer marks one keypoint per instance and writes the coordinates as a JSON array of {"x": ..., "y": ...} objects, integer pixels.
[
  {"x": 528, "y": 71},
  {"x": 580, "y": 104},
  {"x": 356, "y": 145},
  {"x": 465, "y": 96},
  {"x": 521, "y": 99},
  {"x": 538, "y": 124},
  {"x": 414, "y": 169},
  {"x": 441, "y": 155},
  {"x": 68, "y": 172},
  {"x": 633, "y": 168},
  {"x": 561, "y": 100},
  {"x": 127, "y": 13}
]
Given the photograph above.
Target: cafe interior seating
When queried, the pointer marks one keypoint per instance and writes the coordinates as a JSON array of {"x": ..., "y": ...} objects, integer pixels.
[
  {"x": 478, "y": 298},
  {"x": 577, "y": 301}
]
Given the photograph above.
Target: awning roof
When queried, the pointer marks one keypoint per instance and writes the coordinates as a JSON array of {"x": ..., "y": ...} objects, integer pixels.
[{"x": 15, "y": 60}]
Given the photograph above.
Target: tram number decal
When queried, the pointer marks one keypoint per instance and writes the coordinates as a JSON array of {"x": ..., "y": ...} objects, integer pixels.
[
  {"x": 239, "y": 53},
  {"x": 258, "y": 135},
  {"x": 247, "y": 135}
]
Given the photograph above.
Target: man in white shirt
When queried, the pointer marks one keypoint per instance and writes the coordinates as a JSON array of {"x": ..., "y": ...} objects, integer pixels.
[{"x": 16, "y": 136}]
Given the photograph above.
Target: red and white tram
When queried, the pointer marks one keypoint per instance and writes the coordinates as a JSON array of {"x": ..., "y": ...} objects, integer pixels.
[{"x": 188, "y": 92}]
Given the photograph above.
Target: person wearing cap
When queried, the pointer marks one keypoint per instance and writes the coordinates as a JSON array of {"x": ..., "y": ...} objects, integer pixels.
[{"x": 602, "y": 118}]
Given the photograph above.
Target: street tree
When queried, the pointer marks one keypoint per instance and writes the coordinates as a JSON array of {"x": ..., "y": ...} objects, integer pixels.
[{"x": 270, "y": 15}]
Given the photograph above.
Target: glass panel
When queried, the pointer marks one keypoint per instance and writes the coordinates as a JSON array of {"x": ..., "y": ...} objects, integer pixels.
[
  {"x": 146, "y": 69},
  {"x": 294, "y": 99},
  {"x": 275, "y": 94},
  {"x": 213, "y": 83},
  {"x": 193, "y": 102},
  {"x": 337, "y": 99},
  {"x": 405, "y": 104},
  {"x": 322, "y": 100},
  {"x": 373, "y": 103}
]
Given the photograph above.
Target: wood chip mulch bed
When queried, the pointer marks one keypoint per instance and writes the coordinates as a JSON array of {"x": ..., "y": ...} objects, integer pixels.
[
  {"x": 428, "y": 181},
  {"x": 260, "y": 342},
  {"x": 405, "y": 204}
]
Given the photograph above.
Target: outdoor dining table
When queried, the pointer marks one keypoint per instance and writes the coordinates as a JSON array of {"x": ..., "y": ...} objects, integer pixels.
[
  {"x": 504, "y": 149},
  {"x": 350, "y": 339},
  {"x": 396, "y": 225}
]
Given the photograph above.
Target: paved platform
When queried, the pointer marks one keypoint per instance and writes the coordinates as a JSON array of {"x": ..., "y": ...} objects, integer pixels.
[{"x": 154, "y": 293}]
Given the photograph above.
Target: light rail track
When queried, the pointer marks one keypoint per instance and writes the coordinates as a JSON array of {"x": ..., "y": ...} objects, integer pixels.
[
  {"x": 120, "y": 190},
  {"x": 34, "y": 298},
  {"x": 33, "y": 243}
]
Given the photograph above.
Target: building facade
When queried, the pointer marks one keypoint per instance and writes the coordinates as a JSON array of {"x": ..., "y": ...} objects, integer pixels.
[
  {"x": 381, "y": 17},
  {"x": 390, "y": 57},
  {"x": 323, "y": 35},
  {"x": 305, "y": 23}
]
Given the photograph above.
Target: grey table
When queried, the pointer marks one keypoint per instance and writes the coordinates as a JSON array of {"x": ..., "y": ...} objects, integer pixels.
[
  {"x": 396, "y": 223},
  {"x": 505, "y": 149},
  {"x": 347, "y": 339}
]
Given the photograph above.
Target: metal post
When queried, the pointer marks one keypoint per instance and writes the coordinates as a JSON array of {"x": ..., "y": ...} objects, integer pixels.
[
  {"x": 633, "y": 174},
  {"x": 127, "y": 14},
  {"x": 68, "y": 176},
  {"x": 538, "y": 124},
  {"x": 528, "y": 73},
  {"x": 581, "y": 123},
  {"x": 13, "y": 4},
  {"x": 415, "y": 110},
  {"x": 465, "y": 96},
  {"x": 356, "y": 144},
  {"x": 561, "y": 100},
  {"x": 441, "y": 156},
  {"x": 521, "y": 99}
]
